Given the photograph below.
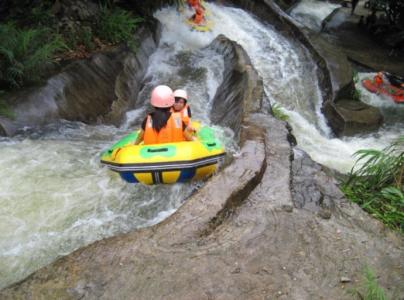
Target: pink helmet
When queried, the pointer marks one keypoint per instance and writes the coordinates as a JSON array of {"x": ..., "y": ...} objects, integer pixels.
[
  {"x": 162, "y": 96},
  {"x": 181, "y": 94}
]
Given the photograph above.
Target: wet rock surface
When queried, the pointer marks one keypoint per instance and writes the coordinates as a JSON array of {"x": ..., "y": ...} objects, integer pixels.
[
  {"x": 349, "y": 117},
  {"x": 258, "y": 251},
  {"x": 311, "y": 188},
  {"x": 359, "y": 46},
  {"x": 241, "y": 90},
  {"x": 339, "y": 67},
  {"x": 98, "y": 89}
]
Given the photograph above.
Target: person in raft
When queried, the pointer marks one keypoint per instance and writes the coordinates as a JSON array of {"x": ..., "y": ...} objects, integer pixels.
[
  {"x": 199, "y": 16},
  {"x": 181, "y": 106},
  {"x": 378, "y": 79},
  {"x": 162, "y": 125}
]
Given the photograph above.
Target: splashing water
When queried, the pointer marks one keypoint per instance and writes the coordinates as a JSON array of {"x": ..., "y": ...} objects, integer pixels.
[{"x": 311, "y": 13}]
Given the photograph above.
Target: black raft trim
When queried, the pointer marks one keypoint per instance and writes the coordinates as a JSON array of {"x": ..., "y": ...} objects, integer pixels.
[{"x": 164, "y": 166}]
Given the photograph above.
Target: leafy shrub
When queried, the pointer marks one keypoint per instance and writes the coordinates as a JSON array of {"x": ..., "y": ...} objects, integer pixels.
[
  {"x": 41, "y": 16},
  {"x": 117, "y": 25},
  {"x": 25, "y": 54},
  {"x": 80, "y": 36},
  {"x": 377, "y": 185}
]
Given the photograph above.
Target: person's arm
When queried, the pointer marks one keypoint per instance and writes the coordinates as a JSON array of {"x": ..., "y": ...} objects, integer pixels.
[
  {"x": 188, "y": 135},
  {"x": 139, "y": 138}
]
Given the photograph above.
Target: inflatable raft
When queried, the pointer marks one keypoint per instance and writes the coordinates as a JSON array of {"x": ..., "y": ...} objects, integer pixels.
[
  {"x": 396, "y": 93},
  {"x": 204, "y": 27},
  {"x": 165, "y": 163}
]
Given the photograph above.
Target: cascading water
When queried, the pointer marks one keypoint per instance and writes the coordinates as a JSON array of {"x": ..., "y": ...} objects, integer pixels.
[
  {"x": 289, "y": 76},
  {"x": 54, "y": 197},
  {"x": 311, "y": 13}
]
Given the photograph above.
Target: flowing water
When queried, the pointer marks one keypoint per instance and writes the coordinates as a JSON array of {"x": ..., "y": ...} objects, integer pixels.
[
  {"x": 55, "y": 197},
  {"x": 310, "y": 13}
]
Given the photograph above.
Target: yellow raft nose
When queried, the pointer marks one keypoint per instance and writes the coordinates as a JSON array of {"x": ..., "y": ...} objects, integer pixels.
[{"x": 165, "y": 163}]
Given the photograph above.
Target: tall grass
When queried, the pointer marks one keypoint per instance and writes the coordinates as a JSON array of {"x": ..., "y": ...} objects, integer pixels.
[
  {"x": 25, "y": 54},
  {"x": 117, "y": 25},
  {"x": 376, "y": 183},
  {"x": 369, "y": 289}
]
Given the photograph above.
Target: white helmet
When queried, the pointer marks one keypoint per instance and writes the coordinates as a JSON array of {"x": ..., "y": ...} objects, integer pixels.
[{"x": 181, "y": 94}]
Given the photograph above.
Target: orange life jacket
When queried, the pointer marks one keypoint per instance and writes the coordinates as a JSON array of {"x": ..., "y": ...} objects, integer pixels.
[
  {"x": 198, "y": 16},
  {"x": 184, "y": 114},
  {"x": 193, "y": 3},
  {"x": 172, "y": 132},
  {"x": 378, "y": 80}
]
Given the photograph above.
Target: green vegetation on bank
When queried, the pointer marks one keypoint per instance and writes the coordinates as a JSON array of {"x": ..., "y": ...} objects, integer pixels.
[
  {"x": 356, "y": 94},
  {"x": 369, "y": 289},
  {"x": 25, "y": 54},
  {"x": 278, "y": 113},
  {"x": 33, "y": 38},
  {"x": 117, "y": 25},
  {"x": 4, "y": 108},
  {"x": 376, "y": 183}
]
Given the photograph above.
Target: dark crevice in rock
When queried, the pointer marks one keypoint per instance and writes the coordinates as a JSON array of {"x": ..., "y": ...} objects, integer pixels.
[
  {"x": 233, "y": 203},
  {"x": 290, "y": 137},
  {"x": 237, "y": 198}
]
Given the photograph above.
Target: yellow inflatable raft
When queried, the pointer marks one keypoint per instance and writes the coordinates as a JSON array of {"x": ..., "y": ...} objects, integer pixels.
[
  {"x": 165, "y": 163},
  {"x": 204, "y": 27}
]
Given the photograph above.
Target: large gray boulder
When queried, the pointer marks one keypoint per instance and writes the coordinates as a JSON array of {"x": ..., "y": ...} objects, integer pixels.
[
  {"x": 348, "y": 117},
  {"x": 241, "y": 90}
]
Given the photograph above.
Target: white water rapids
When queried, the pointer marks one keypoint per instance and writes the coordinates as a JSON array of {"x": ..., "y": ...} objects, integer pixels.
[{"x": 55, "y": 197}]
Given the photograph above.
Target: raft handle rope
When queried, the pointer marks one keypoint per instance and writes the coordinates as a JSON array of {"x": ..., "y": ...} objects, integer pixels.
[{"x": 157, "y": 150}]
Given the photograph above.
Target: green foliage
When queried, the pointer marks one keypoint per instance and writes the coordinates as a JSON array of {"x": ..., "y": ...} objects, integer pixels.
[
  {"x": 25, "y": 54},
  {"x": 377, "y": 185},
  {"x": 394, "y": 9},
  {"x": 278, "y": 113},
  {"x": 41, "y": 15},
  {"x": 355, "y": 77},
  {"x": 4, "y": 108},
  {"x": 80, "y": 36},
  {"x": 356, "y": 95},
  {"x": 370, "y": 289},
  {"x": 117, "y": 25}
]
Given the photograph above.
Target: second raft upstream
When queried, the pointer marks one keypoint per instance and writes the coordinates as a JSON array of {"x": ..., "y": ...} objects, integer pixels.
[{"x": 165, "y": 163}]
